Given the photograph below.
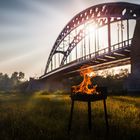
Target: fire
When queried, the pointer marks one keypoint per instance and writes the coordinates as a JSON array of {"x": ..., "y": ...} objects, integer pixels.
[{"x": 87, "y": 73}]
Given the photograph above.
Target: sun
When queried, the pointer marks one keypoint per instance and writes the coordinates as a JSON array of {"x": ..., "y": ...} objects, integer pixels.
[{"x": 90, "y": 28}]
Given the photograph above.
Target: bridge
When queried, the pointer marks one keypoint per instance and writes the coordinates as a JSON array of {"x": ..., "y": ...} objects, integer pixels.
[{"x": 103, "y": 36}]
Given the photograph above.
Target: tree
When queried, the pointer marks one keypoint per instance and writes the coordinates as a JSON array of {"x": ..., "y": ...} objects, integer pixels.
[
  {"x": 14, "y": 75},
  {"x": 13, "y": 82},
  {"x": 14, "y": 78},
  {"x": 21, "y": 75}
]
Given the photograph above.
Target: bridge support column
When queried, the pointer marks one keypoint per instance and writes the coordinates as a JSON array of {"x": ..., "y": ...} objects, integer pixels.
[{"x": 133, "y": 81}]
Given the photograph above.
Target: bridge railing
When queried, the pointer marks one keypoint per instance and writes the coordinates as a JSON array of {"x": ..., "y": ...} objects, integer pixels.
[
  {"x": 104, "y": 51},
  {"x": 121, "y": 45}
]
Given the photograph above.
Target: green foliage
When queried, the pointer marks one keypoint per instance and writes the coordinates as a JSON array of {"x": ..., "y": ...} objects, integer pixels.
[
  {"x": 45, "y": 117},
  {"x": 11, "y": 83}
]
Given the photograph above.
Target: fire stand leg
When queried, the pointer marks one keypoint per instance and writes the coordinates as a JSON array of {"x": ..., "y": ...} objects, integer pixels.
[
  {"x": 89, "y": 115},
  {"x": 71, "y": 115},
  {"x": 106, "y": 118}
]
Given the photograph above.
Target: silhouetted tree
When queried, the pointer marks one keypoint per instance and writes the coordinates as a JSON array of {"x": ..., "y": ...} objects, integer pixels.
[
  {"x": 21, "y": 75},
  {"x": 9, "y": 83},
  {"x": 14, "y": 78}
]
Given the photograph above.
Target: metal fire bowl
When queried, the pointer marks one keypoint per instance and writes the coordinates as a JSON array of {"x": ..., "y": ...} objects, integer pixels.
[{"x": 100, "y": 94}]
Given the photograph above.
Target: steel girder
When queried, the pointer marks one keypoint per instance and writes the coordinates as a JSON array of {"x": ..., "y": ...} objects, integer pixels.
[{"x": 101, "y": 14}]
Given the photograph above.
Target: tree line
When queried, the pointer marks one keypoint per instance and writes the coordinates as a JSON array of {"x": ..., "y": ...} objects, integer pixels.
[
  {"x": 113, "y": 81},
  {"x": 11, "y": 82}
]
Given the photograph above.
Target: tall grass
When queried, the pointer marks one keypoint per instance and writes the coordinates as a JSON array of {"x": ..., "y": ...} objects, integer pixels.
[{"x": 45, "y": 117}]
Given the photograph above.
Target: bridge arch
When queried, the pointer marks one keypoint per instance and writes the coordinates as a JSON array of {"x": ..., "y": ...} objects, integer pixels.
[{"x": 99, "y": 15}]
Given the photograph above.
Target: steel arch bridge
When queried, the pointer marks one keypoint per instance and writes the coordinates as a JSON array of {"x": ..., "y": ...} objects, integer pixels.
[{"x": 100, "y": 35}]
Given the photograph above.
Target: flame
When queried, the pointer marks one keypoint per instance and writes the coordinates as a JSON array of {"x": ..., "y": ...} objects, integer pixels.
[{"x": 87, "y": 73}]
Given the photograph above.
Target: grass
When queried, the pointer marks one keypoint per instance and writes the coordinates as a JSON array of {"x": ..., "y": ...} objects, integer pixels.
[{"x": 45, "y": 117}]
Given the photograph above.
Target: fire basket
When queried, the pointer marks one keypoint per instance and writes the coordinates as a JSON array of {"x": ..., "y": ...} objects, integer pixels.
[
  {"x": 101, "y": 94},
  {"x": 82, "y": 92}
]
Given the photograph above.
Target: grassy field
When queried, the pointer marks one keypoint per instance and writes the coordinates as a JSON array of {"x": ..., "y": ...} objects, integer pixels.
[{"x": 45, "y": 117}]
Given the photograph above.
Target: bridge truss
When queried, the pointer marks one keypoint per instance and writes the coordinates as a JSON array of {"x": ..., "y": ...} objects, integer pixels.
[{"x": 99, "y": 34}]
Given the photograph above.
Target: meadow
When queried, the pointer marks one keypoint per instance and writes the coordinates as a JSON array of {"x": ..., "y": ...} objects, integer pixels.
[{"x": 40, "y": 116}]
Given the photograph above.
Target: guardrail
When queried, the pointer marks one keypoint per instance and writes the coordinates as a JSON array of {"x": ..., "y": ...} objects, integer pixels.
[{"x": 113, "y": 48}]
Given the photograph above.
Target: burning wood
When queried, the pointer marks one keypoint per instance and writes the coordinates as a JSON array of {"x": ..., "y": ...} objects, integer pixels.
[{"x": 87, "y": 73}]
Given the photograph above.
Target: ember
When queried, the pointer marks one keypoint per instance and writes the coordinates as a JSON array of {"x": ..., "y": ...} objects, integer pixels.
[{"x": 87, "y": 73}]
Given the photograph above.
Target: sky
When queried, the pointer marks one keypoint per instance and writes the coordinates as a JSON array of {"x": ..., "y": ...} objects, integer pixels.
[{"x": 29, "y": 28}]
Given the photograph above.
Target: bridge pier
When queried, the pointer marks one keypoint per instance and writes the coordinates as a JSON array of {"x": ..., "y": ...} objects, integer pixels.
[{"x": 133, "y": 81}]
